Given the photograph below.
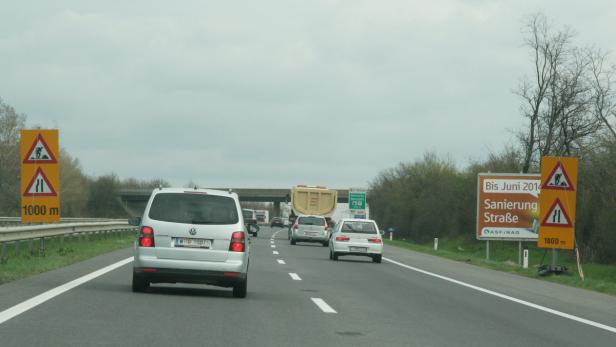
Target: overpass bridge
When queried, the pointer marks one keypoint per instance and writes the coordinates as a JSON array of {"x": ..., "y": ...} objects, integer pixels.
[{"x": 136, "y": 199}]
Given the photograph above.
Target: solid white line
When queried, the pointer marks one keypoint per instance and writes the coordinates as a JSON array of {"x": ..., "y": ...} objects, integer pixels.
[
  {"x": 510, "y": 298},
  {"x": 323, "y": 305},
  {"x": 280, "y": 261},
  {"x": 295, "y": 276},
  {"x": 52, "y": 293},
  {"x": 275, "y": 252}
]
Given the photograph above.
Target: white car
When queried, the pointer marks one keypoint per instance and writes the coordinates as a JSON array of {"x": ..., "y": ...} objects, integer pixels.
[
  {"x": 356, "y": 237},
  {"x": 192, "y": 236}
]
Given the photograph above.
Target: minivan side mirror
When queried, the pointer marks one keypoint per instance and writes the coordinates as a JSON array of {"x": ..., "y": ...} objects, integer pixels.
[{"x": 136, "y": 221}]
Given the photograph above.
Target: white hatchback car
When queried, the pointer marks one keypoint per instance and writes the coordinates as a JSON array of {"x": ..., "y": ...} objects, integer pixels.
[
  {"x": 192, "y": 236},
  {"x": 356, "y": 237}
]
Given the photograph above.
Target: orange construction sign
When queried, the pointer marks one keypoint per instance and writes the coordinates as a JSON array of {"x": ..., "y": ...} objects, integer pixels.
[
  {"x": 557, "y": 202},
  {"x": 40, "y": 176}
]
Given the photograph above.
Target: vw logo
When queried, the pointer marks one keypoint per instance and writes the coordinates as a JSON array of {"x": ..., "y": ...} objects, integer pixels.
[{"x": 192, "y": 231}]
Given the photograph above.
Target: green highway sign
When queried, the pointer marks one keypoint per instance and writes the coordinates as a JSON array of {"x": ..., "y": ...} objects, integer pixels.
[{"x": 357, "y": 200}]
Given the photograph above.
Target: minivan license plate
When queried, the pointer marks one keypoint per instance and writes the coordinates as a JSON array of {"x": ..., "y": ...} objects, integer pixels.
[{"x": 192, "y": 243}]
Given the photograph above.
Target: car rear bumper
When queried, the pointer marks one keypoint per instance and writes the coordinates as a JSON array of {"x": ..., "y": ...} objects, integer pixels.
[
  {"x": 166, "y": 275},
  {"x": 371, "y": 249}
]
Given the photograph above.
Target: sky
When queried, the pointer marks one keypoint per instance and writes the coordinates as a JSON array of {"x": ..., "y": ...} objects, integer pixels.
[{"x": 276, "y": 93}]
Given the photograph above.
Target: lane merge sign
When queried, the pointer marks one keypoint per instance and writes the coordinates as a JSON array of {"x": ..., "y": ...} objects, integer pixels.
[
  {"x": 557, "y": 202},
  {"x": 507, "y": 206},
  {"x": 40, "y": 176}
]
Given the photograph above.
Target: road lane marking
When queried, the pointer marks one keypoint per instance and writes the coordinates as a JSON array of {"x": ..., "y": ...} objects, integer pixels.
[
  {"x": 273, "y": 246},
  {"x": 507, "y": 297},
  {"x": 280, "y": 261},
  {"x": 323, "y": 305},
  {"x": 271, "y": 241},
  {"x": 295, "y": 276},
  {"x": 52, "y": 293},
  {"x": 275, "y": 252}
]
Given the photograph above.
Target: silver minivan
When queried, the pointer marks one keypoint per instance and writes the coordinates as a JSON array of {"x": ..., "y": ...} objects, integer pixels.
[
  {"x": 192, "y": 236},
  {"x": 309, "y": 229}
]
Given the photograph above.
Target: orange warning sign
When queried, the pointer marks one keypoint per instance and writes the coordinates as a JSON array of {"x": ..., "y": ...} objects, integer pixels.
[
  {"x": 40, "y": 176},
  {"x": 557, "y": 202}
]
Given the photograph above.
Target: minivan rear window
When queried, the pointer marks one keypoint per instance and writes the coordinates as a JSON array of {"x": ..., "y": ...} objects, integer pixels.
[
  {"x": 311, "y": 221},
  {"x": 358, "y": 227},
  {"x": 193, "y": 209}
]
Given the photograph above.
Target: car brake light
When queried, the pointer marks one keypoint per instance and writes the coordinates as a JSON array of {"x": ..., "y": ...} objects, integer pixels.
[
  {"x": 237, "y": 242},
  {"x": 342, "y": 238},
  {"x": 375, "y": 240},
  {"x": 146, "y": 239}
]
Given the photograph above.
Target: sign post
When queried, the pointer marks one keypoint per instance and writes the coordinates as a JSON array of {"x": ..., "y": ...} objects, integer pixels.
[
  {"x": 40, "y": 176},
  {"x": 557, "y": 205}
]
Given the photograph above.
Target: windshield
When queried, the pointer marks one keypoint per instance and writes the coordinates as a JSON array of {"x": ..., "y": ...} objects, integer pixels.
[
  {"x": 311, "y": 221},
  {"x": 193, "y": 209},
  {"x": 359, "y": 227}
]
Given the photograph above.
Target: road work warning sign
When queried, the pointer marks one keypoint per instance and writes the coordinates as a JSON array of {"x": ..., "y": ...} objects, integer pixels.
[
  {"x": 507, "y": 206},
  {"x": 557, "y": 202},
  {"x": 40, "y": 176}
]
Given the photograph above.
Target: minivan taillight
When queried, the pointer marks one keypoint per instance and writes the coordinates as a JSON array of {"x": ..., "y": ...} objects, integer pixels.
[
  {"x": 342, "y": 238},
  {"x": 326, "y": 226},
  {"x": 237, "y": 242},
  {"x": 375, "y": 240},
  {"x": 295, "y": 226},
  {"x": 146, "y": 237}
]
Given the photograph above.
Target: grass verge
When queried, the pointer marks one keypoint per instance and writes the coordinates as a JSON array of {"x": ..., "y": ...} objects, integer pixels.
[
  {"x": 74, "y": 250},
  {"x": 504, "y": 257}
]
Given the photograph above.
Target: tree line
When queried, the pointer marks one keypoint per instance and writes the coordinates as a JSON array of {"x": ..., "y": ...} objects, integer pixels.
[
  {"x": 82, "y": 195},
  {"x": 569, "y": 103}
]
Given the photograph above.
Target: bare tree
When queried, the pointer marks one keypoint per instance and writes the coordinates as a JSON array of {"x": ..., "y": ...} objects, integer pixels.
[
  {"x": 604, "y": 96},
  {"x": 560, "y": 100}
]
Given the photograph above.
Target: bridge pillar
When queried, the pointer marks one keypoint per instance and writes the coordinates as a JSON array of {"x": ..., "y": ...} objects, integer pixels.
[{"x": 276, "y": 209}]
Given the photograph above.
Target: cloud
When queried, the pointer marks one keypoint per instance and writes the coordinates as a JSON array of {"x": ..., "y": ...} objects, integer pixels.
[{"x": 271, "y": 93}]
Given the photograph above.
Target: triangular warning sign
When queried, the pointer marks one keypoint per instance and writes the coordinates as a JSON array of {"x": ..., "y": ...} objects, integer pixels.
[
  {"x": 40, "y": 185},
  {"x": 40, "y": 153},
  {"x": 558, "y": 179},
  {"x": 557, "y": 216}
]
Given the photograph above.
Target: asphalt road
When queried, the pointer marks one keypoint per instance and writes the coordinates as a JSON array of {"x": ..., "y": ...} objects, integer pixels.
[{"x": 375, "y": 305}]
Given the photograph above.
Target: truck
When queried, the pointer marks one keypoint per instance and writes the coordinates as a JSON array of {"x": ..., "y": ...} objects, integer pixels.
[{"x": 312, "y": 200}]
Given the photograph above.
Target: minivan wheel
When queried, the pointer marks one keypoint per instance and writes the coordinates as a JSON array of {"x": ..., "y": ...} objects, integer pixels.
[
  {"x": 240, "y": 289},
  {"x": 293, "y": 242},
  {"x": 326, "y": 244},
  {"x": 139, "y": 284},
  {"x": 377, "y": 258},
  {"x": 334, "y": 256}
]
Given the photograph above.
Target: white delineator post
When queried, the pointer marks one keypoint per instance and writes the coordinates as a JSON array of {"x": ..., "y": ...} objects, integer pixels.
[
  {"x": 436, "y": 243},
  {"x": 391, "y": 236},
  {"x": 525, "y": 262}
]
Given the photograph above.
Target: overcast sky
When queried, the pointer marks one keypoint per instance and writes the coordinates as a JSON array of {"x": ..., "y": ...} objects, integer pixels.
[{"x": 275, "y": 93}]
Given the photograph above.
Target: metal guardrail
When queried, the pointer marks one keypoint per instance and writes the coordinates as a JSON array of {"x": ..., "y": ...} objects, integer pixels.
[
  {"x": 16, "y": 234},
  {"x": 4, "y": 221}
]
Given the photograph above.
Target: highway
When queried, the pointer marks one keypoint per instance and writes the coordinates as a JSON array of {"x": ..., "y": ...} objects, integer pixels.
[{"x": 298, "y": 297}]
